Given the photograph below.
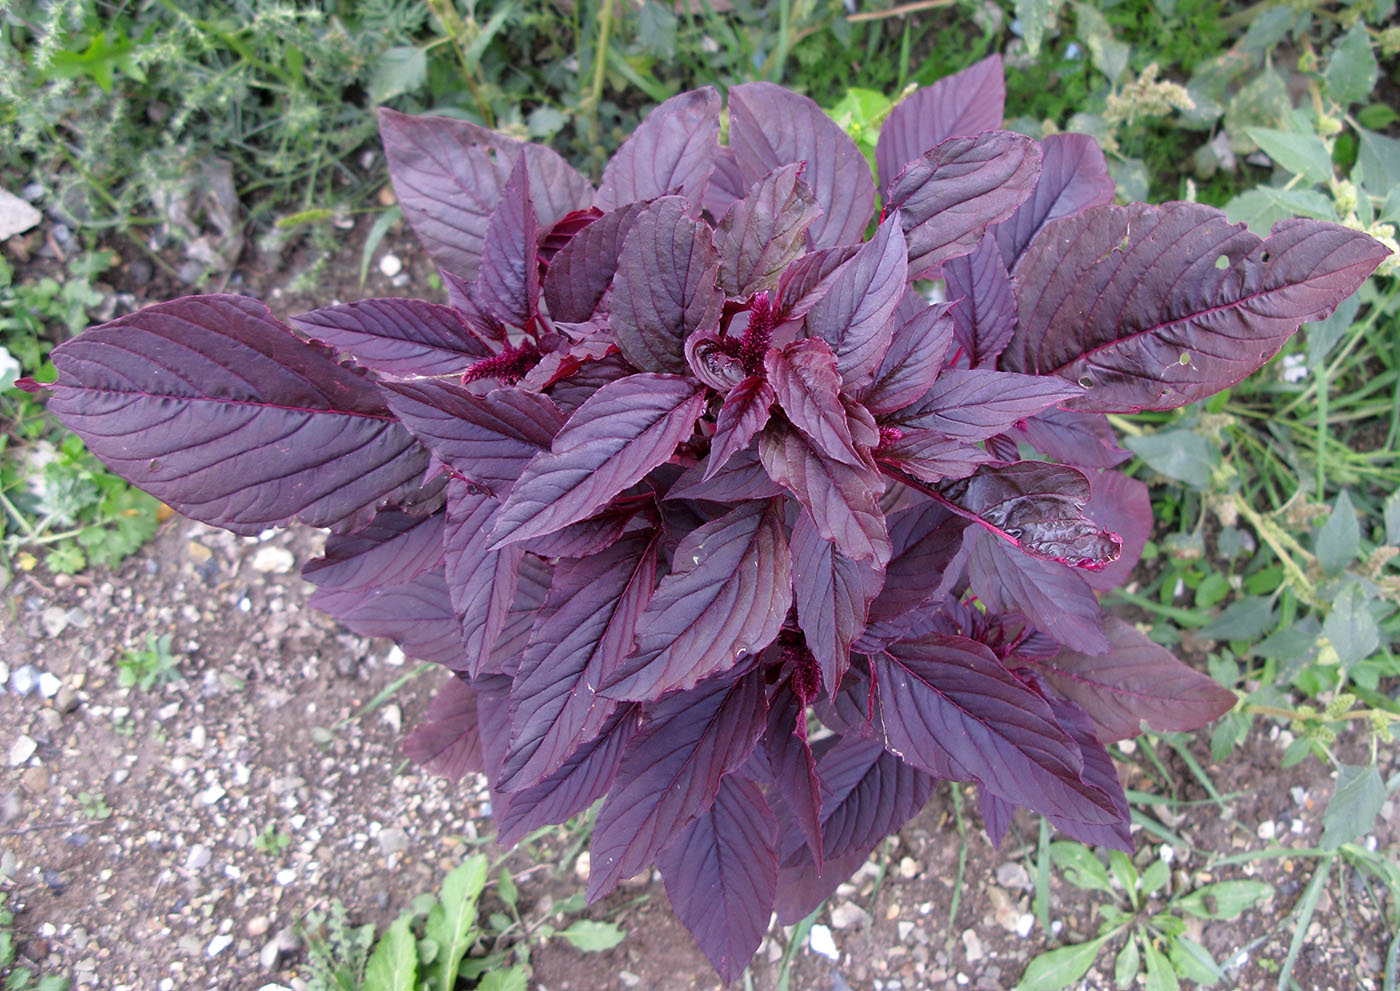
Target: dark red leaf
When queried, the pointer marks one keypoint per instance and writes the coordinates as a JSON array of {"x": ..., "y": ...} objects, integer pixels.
[
  {"x": 672, "y": 150},
  {"x": 791, "y": 765},
  {"x": 721, "y": 874},
  {"x": 764, "y": 232},
  {"x": 1073, "y": 177},
  {"x": 395, "y": 547},
  {"x": 397, "y": 336},
  {"x": 931, "y": 455},
  {"x": 509, "y": 281},
  {"x": 483, "y": 582},
  {"x": 1135, "y": 681},
  {"x": 833, "y": 595},
  {"x": 448, "y": 742},
  {"x": 742, "y": 477},
  {"x": 531, "y": 587},
  {"x": 583, "y": 270},
  {"x": 926, "y": 563},
  {"x": 1100, "y": 773},
  {"x": 488, "y": 439},
  {"x": 218, "y": 410},
  {"x": 965, "y": 103},
  {"x": 984, "y": 315},
  {"x": 1053, "y": 597},
  {"x": 949, "y": 704},
  {"x": 416, "y": 614},
  {"x": 1084, "y": 439},
  {"x": 623, "y": 431},
  {"x": 808, "y": 388},
  {"x": 671, "y": 773},
  {"x": 972, "y": 404},
  {"x": 947, "y": 196},
  {"x": 743, "y": 414},
  {"x": 771, "y": 127},
  {"x": 585, "y": 629},
  {"x": 1120, "y": 505},
  {"x": 1129, "y": 301},
  {"x": 665, "y": 286},
  {"x": 856, "y": 315},
  {"x": 728, "y": 592},
  {"x": 996, "y": 815},
  {"x": 807, "y": 280},
  {"x": 912, "y": 363}
]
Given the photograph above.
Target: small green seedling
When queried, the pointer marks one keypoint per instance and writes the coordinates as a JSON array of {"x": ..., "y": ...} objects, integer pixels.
[
  {"x": 272, "y": 840},
  {"x": 1145, "y": 918},
  {"x": 145, "y": 669}
]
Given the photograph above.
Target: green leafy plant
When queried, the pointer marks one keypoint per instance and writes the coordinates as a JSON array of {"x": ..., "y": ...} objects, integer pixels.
[
  {"x": 19, "y": 977},
  {"x": 272, "y": 840},
  {"x": 1144, "y": 918},
  {"x": 145, "y": 669}
]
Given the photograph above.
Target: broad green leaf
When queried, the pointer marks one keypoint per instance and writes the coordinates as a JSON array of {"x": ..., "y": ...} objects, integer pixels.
[
  {"x": 1036, "y": 17},
  {"x": 1081, "y": 868},
  {"x": 1183, "y": 455},
  {"x": 394, "y": 964},
  {"x": 593, "y": 937},
  {"x": 401, "y": 69},
  {"x": 1350, "y": 627},
  {"x": 506, "y": 888},
  {"x": 1155, "y": 877},
  {"x": 1160, "y": 974},
  {"x": 1194, "y": 962},
  {"x": 1392, "y": 519},
  {"x": 1339, "y": 539},
  {"x": 1109, "y": 54},
  {"x": 451, "y": 921},
  {"x": 1302, "y": 154},
  {"x": 1264, "y": 206},
  {"x": 1324, "y": 335},
  {"x": 1061, "y": 968},
  {"x": 1352, "y": 69},
  {"x": 1354, "y": 805},
  {"x": 1243, "y": 619},
  {"x": 1126, "y": 967},
  {"x": 1377, "y": 116},
  {"x": 1224, "y": 899},
  {"x": 1377, "y": 161},
  {"x": 1125, "y": 873},
  {"x": 504, "y": 980}
]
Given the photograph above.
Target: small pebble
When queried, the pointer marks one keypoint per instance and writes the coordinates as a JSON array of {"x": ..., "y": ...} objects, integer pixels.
[
  {"x": 23, "y": 679},
  {"x": 198, "y": 857},
  {"x": 49, "y": 684},
  {"x": 218, "y": 945},
  {"x": 274, "y": 560},
  {"x": 1267, "y": 830},
  {"x": 972, "y": 943},
  {"x": 848, "y": 915},
  {"x": 285, "y": 876},
  {"x": 55, "y": 620},
  {"x": 390, "y": 265},
  {"x": 22, "y": 749},
  {"x": 258, "y": 925},
  {"x": 581, "y": 866},
  {"x": 822, "y": 943},
  {"x": 1012, "y": 875},
  {"x": 392, "y": 840},
  {"x": 908, "y": 868}
]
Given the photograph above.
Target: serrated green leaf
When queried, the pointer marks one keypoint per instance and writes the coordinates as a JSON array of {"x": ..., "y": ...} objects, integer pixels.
[
  {"x": 1160, "y": 974},
  {"x": 401, "y": 69},
  {"x": 1358, "y": 798},
  {"x": 1080, "y": 867},
  {"x": 1194, "y": 962},
  {"x": 1183, "y": 455},
  {"x": 394, "y": 964},
  {"x": 1108, "y": 53},
  {"x": 1305, "y": 155},
  {"x": 452, "y": 919},
  {"x": 1352, "y": 69},
  {"x": 1350, "y": 627},
  {"x": 1061, "y": 968},
  {"x": 593, "y": 937},
  {"x": 1126, "y": 967},
  {"x": 1223, "y": 899},
  {"x": 1036, "y": 16},
  {"x": 1339, "y": 539},
  {"x": 503, "y": 980},
  {"x": 1264, "y": 206}
]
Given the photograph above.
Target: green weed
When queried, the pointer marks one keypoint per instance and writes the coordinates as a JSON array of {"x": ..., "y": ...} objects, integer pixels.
[{"x": 145, "y": 669}]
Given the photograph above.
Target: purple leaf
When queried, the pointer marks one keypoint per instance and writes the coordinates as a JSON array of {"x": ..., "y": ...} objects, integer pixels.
[
  {"x": 673, "y": 150},
  {"x": 856, "y": 316},
  {"x": 465, "y": 299},
  {"x": 584, "y": 631},
  {"x": 448, "y": 175},
  {"x": 397, "y": 336},
  {"x": 483, "y": 582},
  {"x": 807, "y": 385},
  {"x": 996, "y": 815},
  {"x": 985, "y": 315},
  {"x": 531, "y": 588},
  {"x": 764, "y": 232},
  {"x": 947, "y": 196},
  {"x": 509, "y": 281},
  {"x": 833, "y": 596},
  {"x": 925, "y": 564},
  {"x": 448, "y": 741},
  {"x": 583, "y": 269},
  {"x": 1053, "y": 597},
  {"x": 743, "y": 414},
  {"x": 912, "y": 363},
  {"x": 948, "y": 701},
  {"x": 1039, "y": 508},
  {"x": 770, "y": 127},
  {"x": 803, "y": 283},
  {"x": 728, "y": 592},
  {"x": 581, "y": 781},
  {"x": 965, "y": 103},
  {"x": 557, "y": 236},
  {"x": 586, "y": 537},
  {"x": 1083, "y": 439},
  {"x": 1073, "y": 177},
  {"x": 973, "y": 404},
  {"x": 1099, "y": 773},
  {"x": 742, "y": 477},
  {"x": 867, "y": 793},
  {"x": 488, "y": 439},
  {"x": 1121, "y": 505},
  {"x": 416, "y": 614},
  {"x": 721, "y": 874},
  {"x": 931, "y": 455},
  {"x": 623, "y": 431},
  {"x": 671, "y": 773},
  {"x": 1135, "y": 681},
  {"x": 726, "y": 186},
  {"x": 1130, "y": 302},
  {"x": 395, "y": 547},
  {"x": 792, "y": 766},
  {"x": 665, "y": 286},
  {"x": 843, "y": 500},
  {"x": 221, "y": 412},
  {"x": 803, "y": 887}
]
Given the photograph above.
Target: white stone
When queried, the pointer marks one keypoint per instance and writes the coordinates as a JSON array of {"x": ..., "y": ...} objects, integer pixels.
[
  {"x": 49, "y": 684},
  {"x": 390, "y": 265},
  {"x": 24, "y": 678},
  {"x": 848, "y": 915},
  {"x": 1267, "y": 830},
  {"x": 218, "y": 945},
  {"x": 22, "y": 750},
  {"x": 822, "y": 943},
  {"x": 1012, "y": 875},
  {"x": 198, "y": 857},
  {"x": 273, "y": 560},
  {"x": 973, "y": 945},
  {"x": 285, "y": 876},
  {"x": 16, "y": 216},
  {"x": 212, "y": 794},
  {"x": 1025, "y": 924}
]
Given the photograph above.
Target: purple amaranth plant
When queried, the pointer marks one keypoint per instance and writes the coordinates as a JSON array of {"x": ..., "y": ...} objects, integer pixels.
[{"x": 709, "y": 513}]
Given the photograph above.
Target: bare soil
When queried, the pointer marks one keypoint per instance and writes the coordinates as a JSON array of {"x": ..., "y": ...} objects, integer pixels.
[{"x": 141, "y": 842}]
